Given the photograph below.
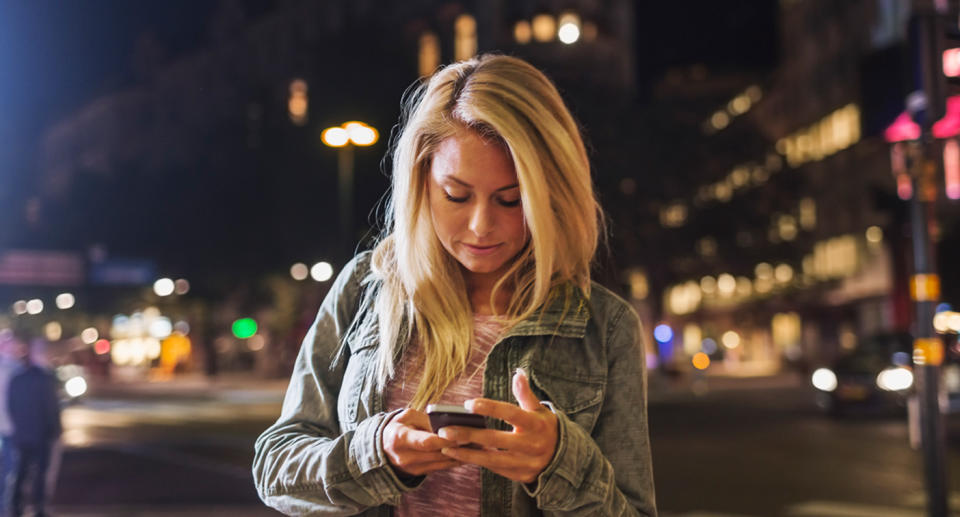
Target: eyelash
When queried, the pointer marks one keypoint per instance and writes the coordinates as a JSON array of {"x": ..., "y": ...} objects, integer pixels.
[{"x": 507, "y": 204}]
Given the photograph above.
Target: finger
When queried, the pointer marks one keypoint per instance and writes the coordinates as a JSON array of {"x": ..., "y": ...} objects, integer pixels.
[
  {"x": 509, "y": 413},
  {"x": 491, "y": 459},
  {"x": 485, "y": 437},
  {"x": 523, "y": 393},
  {"x": 415, "y": 439},
  {"x": 444, "y": 464},
  {"x": 414, "y": 418}
]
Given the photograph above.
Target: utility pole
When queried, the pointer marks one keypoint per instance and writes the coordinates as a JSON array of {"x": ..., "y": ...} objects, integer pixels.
[{"x": 928, "y": 350}]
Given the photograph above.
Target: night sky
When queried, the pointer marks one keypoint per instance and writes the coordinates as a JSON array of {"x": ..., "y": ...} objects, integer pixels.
[{"x": 57, "y": 56}]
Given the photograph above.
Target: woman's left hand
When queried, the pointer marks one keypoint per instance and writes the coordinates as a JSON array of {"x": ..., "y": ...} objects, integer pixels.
[{"x": 520, "y": 454}]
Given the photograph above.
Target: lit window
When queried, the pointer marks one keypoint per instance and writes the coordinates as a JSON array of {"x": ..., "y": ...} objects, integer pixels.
[
  {"x": 465, "y": 40},
  {"x": 429, "y": 56}
]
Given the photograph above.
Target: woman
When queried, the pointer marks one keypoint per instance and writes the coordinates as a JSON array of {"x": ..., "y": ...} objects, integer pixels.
[{"x": 479, "y": 293}]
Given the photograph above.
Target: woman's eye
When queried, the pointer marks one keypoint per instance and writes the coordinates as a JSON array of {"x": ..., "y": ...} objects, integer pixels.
[
  {"x": 510, "y": 202},
  {"x": 453, "y": 198}
]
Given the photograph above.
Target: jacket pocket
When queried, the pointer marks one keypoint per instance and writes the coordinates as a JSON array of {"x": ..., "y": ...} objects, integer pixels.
[{"x": 579, "y": 399}]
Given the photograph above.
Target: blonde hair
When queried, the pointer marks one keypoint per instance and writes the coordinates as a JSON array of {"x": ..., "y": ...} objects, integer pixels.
[{"x": 420, "y": 289}]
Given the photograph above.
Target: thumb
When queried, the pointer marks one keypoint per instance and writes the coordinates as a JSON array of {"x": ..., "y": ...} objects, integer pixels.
[{"x": 521, "y": 390}]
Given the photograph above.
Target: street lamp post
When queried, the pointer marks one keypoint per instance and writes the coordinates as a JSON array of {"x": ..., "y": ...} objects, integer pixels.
[{"x": 344, "y": 138}]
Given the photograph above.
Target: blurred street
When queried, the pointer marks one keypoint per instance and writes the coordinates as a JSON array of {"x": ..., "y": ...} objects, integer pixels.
[{"x": 741, "y": 447}]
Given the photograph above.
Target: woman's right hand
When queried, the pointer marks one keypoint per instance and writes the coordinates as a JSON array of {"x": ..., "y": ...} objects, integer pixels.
[{"x": 411, "y": 446}]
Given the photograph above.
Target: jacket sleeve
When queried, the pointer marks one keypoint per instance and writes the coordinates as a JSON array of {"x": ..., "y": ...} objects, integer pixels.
[
  {"x": 610, "y": 471},
  {"x": 304, "y": 464}
]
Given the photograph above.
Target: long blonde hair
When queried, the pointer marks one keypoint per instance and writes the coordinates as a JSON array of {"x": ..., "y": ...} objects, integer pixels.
[{"x": 420, "y": 289}]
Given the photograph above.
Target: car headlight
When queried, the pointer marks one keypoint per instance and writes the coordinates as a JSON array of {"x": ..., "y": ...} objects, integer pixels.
[
  {"x": 824, "y": 379},
  {"x": 895, "y": 379}
]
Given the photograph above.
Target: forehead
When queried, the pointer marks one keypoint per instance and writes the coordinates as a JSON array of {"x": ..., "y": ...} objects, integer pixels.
[{"x": 472, "y": 159}]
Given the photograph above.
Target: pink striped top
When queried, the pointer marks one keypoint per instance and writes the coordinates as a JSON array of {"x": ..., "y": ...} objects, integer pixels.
[{"x": 455, "y": 491}]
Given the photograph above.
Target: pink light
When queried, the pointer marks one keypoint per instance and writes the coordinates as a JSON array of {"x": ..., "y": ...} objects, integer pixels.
[
  {"x": 951, "y": 168},
  {"x": 951, "y": 62},
  {"x": 904, "y": 187},
  {"x": 903, "y": 128},
  {"x": 949, "y": 125}
]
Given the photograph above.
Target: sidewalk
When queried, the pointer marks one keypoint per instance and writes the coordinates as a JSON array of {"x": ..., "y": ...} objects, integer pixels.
[
  {"x": 665, "y": 388},
  {"x": 236, "y": 386}
]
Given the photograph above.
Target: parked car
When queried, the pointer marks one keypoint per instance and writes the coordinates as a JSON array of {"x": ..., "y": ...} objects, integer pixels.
[{"x": 876, "y": 375}]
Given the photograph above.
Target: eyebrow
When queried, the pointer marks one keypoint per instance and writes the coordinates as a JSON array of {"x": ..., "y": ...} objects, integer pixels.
[{"x": 465, "y": 184}]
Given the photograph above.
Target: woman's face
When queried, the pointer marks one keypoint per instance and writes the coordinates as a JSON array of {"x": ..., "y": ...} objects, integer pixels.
[{"x": 475, "y": 205}]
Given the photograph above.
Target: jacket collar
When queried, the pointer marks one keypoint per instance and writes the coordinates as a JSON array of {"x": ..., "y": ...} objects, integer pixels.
[{"x": 565, "y": 314}]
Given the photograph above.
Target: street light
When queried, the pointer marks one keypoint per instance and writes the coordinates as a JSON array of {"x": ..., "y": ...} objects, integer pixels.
[{"x": 344, "y": 138}]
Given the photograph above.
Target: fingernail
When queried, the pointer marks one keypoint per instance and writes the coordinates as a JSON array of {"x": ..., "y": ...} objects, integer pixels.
[
  {"x": 443, "y": 433},
  {"x": 520, "y": 371},
  {"x": 469, "y": 405},
  {"x": 445, "y": 450}
]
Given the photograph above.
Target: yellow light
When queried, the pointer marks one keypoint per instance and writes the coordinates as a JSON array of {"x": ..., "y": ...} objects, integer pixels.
[
  {"x": 522, "y": 32},
  {"x": 744, "y": 286},
  {"x": 465, "y": 37},
  {"x": 360, "y": 133},
  {"x": 429, "y": 54},
  {"x": 701, "y": 361},
  {"x": 53, "y": 331},
  {"x": 730, "y": 339},
  {"x": 692, "y": 338},
  {"x": 726, "y": 284},
  {"x": 741, "y": 104},
  {"x": 874, "y": 235},
  {"x": 544, "y": 27},
  {"x": 708, "y": 285},
  {"x": 335, "y": 136},
  {"x": 754, "y": 93},
  {"x": 719, "y": 120},
  {"x": 783, "y": 273},
  {"x": 764, "y": 271}
]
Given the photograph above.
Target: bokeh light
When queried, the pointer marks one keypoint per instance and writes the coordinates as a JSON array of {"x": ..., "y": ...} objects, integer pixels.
[
  {"x": 163, "y": 287},
  {"x": 244, "y": 328},
  {"x": 299, "y": 271},
  {"x": 321, "y": 271},
  {"x": 89, "y": 335},
  {"x": 34, "y": 306},
  {"x": 663, "y": 333},
  {"x": 65, "y": 301}
]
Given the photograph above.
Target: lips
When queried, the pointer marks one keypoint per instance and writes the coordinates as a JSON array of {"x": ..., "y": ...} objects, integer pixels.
[{"x": 481, "y": 250}]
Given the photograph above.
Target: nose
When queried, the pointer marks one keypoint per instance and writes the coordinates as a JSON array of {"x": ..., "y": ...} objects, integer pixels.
[{"x": 482, "y": 219}]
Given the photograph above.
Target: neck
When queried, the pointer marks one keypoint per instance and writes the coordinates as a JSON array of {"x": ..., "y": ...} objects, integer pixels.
[{"x": 479, "y": 288}]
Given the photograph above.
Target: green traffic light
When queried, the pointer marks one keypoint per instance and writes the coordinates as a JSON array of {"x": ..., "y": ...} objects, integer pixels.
[{"x": 244, "y": 328}]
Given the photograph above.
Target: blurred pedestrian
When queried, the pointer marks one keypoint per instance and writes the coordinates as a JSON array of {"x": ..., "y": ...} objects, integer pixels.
[
  {"x": 34, "y": 408},
  {"x": 478, "y": 294},
  {"x": 12, "y": 351}
]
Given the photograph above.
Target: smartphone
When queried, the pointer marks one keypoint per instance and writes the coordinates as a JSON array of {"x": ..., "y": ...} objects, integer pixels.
[{"x": 443, "y": 415}]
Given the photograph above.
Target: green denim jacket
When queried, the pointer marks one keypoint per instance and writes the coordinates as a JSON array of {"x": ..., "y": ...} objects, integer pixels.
[{"x": 324, "y": 455}]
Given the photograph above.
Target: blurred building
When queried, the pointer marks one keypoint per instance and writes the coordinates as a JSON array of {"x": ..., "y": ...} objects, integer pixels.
[
  {"x": 209, "y": 161},
  {"x": 789, "y": 242}
]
